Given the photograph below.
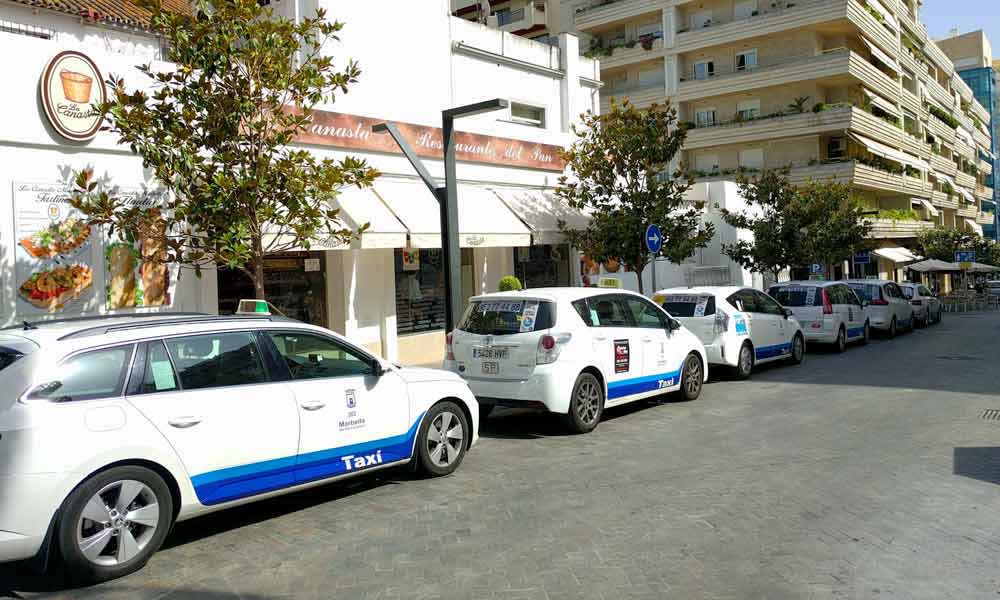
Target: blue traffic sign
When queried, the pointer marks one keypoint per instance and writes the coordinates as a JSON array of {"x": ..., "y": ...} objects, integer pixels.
[
  {"x": 863, "y": 258},
  {"x": 816, "y": 268},
  {"x": 654, "y": 239},
  {"x": 965, "y": 256}
]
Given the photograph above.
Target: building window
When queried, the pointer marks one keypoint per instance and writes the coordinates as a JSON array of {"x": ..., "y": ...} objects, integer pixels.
[
  {"x": 745, "y": 10},
  {"x": 746, "y": 60},
  {"x": 752, "y": 159},
  {"x": 705, "y": 117},
  {"x": 701, "y": 19},
  {"x": 648, "y": 77},
  {"x": 527, "y": 114},
  {"x": 707, "y": 163},
  {"x": 704, "y": 69},
  {"x": 419, "y": 290},
  {"x": 748, "y": 110},
  {"x": 652, "y": 30},
  {"x": 836, "y": 148}
]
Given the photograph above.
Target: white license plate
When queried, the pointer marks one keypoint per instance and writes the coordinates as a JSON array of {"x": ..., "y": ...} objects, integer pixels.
[
  {"x": 491, "y": 353},
  {"x": 491, "y": 368}
]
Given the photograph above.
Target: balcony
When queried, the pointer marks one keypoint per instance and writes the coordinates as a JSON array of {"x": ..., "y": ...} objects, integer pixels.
[
  {"x": 964, "y": 150},
  {"x": 943, "y": 165},
  {"x": 965, "y": 180},
  {"x": 968, "y": 211},
  {"x": 888, "y": 228},
  {"x": 984, "y": 218},
  {"x": 981, "y": 138},
  {"x": 519, "y": 19},
  {"x": 985, "y": 168},
  {"x": 640, "y": 51},
  {"x": 980, "y": 111},
  {"x": 940, "y": 94},
  {"x": 860, "y": 175},
  {"x": 943, "y": 200},
  {"x": 639, "y": 96},
  {"x": 986, "y": 193},
  {"x": 940, "y": 130},
  {"x": 608, "y": 12}
]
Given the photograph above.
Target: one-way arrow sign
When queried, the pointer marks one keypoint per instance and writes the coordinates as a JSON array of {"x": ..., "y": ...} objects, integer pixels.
[{"x": 654, "y": 239}]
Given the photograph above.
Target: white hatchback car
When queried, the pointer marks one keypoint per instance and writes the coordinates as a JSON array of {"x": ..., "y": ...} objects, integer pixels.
[
  {"x": 740, "y": 327},
  {"x": 927, "y": 308},
  {"x": 573, "y": 351},
  {"x": 830, "y": 311},
  {"x": 888, "y": 309},
  {"x": 112, "y": 429}
]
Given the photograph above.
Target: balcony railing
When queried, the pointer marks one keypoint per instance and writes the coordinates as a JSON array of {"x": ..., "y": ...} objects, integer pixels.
[
  {"x": 510, "y": 16},
  {"x": 724, "y": 71},
  {"x": 754, "y": 16}
]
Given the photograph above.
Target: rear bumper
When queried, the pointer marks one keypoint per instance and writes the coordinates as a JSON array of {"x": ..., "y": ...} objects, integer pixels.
[
  {"x": 27, "y": 504},
  {"x": 548, "y": 388},
  {"x": 720, "y": 353},
  {"x": 819, "y": 336}
]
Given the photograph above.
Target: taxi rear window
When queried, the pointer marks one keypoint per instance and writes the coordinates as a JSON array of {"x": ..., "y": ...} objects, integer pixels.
[
  {"x": 14, "y": 348},
  {"x": 507, "y": 317},
  {"x": 681, "y": 306},
  {"x": 867, "y": 291},
  {"x": 796, "y": 296}
]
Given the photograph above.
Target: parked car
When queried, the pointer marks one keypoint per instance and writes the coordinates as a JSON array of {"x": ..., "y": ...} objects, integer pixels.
[
  {"x": 927, "y": 307},
  {"x": 573, "y": 351},
  {"x": 888, "y": 309},
  {"x": 740, "y": 327},
  {"x": 114, "y": 428},
  {"x": 829, "y": 311}
]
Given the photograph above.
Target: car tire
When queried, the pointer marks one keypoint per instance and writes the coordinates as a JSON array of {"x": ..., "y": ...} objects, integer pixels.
[
  {"x": 840, "y": 344},
  {"x": 867, "y": 335},
  {"x": 893, "y": 332},
  {"x": 112, "y": 523},
  {"x": 586, "y": 404},
  {"x": 692, "y": 378},
  {"x": 937, "y": 320},
  {"x": 744, "y": 362},
  {"x": 442, "y": 442},
  {"x": 798, "y": 350}
]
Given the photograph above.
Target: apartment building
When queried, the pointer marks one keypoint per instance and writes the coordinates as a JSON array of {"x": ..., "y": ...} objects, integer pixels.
[
  {"x": 849, "y": 90},
  {"x": 972, "y": 54}
]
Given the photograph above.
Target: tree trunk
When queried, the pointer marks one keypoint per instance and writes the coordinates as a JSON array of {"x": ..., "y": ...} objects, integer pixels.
[
  {"x": 258, "y": 279},
  {"x": 639, "y": 268}
]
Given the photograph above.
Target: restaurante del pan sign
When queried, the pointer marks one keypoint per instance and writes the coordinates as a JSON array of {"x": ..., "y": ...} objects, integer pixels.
[{"x": 351, "y": 131}]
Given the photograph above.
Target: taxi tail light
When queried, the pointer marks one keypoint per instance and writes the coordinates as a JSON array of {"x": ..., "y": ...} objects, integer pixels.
[
  {"x": 827, "y": 305},
  {"x": 449, "y": 351},
  {"x": 879, "y": 302},
  {"x": 916, "y": 303},
  {"x": 549, "y": 347},
  {"x": 721, "y": 322}
]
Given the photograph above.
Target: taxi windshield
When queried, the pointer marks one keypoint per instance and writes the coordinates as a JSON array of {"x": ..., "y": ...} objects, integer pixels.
[{"x": 507, "y": 317}]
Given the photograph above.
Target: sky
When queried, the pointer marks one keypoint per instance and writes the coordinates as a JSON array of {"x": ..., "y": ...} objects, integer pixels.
[{"x": 939, "y": 16}]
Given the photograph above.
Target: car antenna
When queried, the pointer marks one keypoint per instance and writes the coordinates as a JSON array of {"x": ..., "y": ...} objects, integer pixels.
[{"x": 28, "y": 326}]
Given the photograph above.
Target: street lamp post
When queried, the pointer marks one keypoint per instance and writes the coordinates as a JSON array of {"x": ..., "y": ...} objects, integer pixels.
[{"x": 446, "y": 196}]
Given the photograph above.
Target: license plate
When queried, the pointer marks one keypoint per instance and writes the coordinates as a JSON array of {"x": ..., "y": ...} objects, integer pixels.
[
  {"x": 491, "y": 368},
  {"x": 491, "y": 353}
]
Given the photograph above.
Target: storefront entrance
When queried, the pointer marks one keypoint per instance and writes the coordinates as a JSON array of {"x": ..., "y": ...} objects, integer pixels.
[{"x": 294, "y": 282}]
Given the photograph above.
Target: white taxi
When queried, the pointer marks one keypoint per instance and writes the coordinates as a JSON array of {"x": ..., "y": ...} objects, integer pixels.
[
  {"x": 830, "y": 311},
  {"x": 572, "y": 351},
  {"x": 740, "y": 327},
  {"x": 112, "y": 429}
]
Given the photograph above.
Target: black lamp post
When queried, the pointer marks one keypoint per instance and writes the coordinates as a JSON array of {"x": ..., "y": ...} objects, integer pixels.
[{"x": 446, "y": 196}]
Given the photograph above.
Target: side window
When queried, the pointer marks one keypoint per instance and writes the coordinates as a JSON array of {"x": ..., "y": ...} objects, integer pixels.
[
  {"x": 894, "y": 290},
  {"x": 645, "y": 314},
  {"x": 609, "y": 311},
  {"x": 89, "y": 375},
  {"x": 583, "y": 309},
  {"x": 158, "y": 375},
  {"x": 216, "y": 360},
  {"x": 925, "y": 292},
  {"x": 837, "y": 295},
  {"x": 745, "y": 301},
  {"x": 849, "y": 296},
  {"x": 311, "y": 356},
  {"x": 766, "y": 304}
]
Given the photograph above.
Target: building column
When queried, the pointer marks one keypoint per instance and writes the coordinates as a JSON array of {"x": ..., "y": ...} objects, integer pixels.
[
  {"x": 569, "y": 85},
  {"x": 668, "y": 20}
]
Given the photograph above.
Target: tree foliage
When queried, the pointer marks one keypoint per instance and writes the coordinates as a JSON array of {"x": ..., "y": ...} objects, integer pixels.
[
  {"x": 216, "y": 129},
  {"x": 942, "y": 243},
  {"x": 819, "y": 222},
  {"x": 620, "y": 175}
]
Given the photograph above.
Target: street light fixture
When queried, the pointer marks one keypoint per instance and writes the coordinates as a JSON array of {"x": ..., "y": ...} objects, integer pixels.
[{"x": 446, "y": 196}]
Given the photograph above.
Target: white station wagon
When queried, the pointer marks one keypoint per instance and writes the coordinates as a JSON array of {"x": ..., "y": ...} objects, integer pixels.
[
  {"x": 740, "y": 327},
  {"x": 112, "y": 429},
  {"x": 573, "y": 351}
]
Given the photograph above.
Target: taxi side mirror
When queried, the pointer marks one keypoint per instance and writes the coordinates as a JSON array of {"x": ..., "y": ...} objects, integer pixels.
[
  {"x": 865, "y": 304},
  {"x": 377, "y": 369},
  {"x": 788, "y": 312},
  {"x": 673, "y": 324}
]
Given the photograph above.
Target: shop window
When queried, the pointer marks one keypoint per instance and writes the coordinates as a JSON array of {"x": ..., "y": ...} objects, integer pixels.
[
  {"x": 294, "y": 282},
  {"x": 419, "y": 290},
  {"x": 527, "y": 114},
  {"x": 746, "y": 61}
]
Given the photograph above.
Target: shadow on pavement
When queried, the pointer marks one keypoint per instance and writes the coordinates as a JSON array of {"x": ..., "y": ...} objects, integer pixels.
[
  {"x": 978, "y": 463},
  {"x": 519, "y": 424}
]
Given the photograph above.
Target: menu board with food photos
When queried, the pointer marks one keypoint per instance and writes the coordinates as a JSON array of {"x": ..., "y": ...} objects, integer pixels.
[{"x": 64, "y": 265}]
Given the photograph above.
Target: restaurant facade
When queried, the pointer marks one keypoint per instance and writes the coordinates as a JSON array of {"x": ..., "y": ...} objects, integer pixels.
[{"x": 385, "y": 288}]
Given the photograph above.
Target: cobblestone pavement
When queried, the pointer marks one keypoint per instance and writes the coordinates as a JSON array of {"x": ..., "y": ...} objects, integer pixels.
[{"x": 865, "y": 475}]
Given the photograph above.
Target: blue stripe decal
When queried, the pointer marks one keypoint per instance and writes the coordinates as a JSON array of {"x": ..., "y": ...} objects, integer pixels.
[
  {"x": 640, "y": 385},
  {"x": 765, "y": 352},
  {"x": 233, "y": 483},
  {"x": 856, "y": 332}
]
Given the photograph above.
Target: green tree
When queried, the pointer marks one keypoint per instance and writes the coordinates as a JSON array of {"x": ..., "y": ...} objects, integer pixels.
[
  {"x": 942, "y": 243},
  {"x": 216, "y": 130},
  {"x": 833, "y": 221},
  {"x": 620, "y": 175}
]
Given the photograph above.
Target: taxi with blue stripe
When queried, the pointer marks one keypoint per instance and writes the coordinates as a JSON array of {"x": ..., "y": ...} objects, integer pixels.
[
  {"x": 573, "y": 351},
  {"x": 740, "y": 327},
  {"x": 112, "y": 429}
]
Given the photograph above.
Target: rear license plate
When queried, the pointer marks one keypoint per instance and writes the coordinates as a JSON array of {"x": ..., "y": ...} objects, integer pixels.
[
  {"x": 491, "y": 368},
  {"x": 491, "y": 353}
]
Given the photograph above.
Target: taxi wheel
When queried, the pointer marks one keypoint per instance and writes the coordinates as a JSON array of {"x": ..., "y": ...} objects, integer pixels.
[
  {"x": 744, "y": 364},
  {"x": 113, "y": 522},
  {"x": 798, "y": 350},
  {"x": 841, "y": 344},
  {"x": 892, "y": 328},
  {"x": 441, "y": 444},
  {"x": 868, "y": 334},
  {"x": 692, "y": 378},
  {"x": 586, "y": 405}
]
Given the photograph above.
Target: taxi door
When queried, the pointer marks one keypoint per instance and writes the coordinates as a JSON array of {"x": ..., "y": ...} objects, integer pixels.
[{"x": 619, "y": 344}]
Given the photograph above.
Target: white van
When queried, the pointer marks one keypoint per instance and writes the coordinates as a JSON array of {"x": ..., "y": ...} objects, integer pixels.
[{"x": 829, "y": 311}]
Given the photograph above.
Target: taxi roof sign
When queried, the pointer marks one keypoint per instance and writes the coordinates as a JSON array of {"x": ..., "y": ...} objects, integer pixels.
[
  {"x": 609, "y": 282},
  {"x": 253, "y": 307}
]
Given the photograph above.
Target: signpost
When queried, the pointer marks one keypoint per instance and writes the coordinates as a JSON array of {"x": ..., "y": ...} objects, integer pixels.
[
  {"x": 965, "y": 258},
  {"x": 816, "y": 271},
  {"x": 654, "y": 243}
]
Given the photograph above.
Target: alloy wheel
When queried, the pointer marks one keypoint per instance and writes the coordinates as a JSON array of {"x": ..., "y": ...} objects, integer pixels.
[
  {"x": 445, "y": 438},
  {"x": 746, "y": 360},
  {"x": 117, "y": 523},
  {"x": 692, "y": 376},
  {"x": 588, "y": 402},
  {"x": 798, "y": 349}
]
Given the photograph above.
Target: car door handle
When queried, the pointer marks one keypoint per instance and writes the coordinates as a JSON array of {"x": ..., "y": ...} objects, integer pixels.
[
  {"x": 184, "y": 422},
  {"x": 313, "y": 405},
  {"x": 600, "y": 338},
  {"x": 647, "y": 339}
]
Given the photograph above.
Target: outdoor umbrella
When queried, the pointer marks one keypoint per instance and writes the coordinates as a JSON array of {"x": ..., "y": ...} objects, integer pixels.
[
  {"x": 981, "y": 268},
  {"x": 932, "y": 265}
]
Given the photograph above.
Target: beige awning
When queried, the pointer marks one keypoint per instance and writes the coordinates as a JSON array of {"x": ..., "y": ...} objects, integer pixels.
[
  {"x": 930, "y": 207},
  {"x": 360, "y": 206},
  {"x": 878, "y": 7},
  {"x": 541, "y": 211},
  {"x": 891, "y": 153},
  {"x": 882, "y": 103},
  {"x": 976, "y": 227},
  {"x": 897, "y": 255},
  {"x": 882, "y": 57}
]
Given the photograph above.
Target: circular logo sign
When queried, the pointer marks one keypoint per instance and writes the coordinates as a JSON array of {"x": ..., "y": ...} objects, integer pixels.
[{"x": 72, "y": 90}]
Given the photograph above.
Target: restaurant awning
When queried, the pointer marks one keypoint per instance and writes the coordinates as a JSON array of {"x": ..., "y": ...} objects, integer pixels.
[
  {"x": 881, "y": 56},
  {"x": 885, "y": 151},
  {"x": 981, "y": 268},
  {"x": 484, "y": 221},
  {"x": 541, "y": 211},
  {"x": 976, "y": 227},
  {"x": 359, "y": 206},
  {"x": 897, "y": 255},
  {"x": 932, "y": 265}
]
